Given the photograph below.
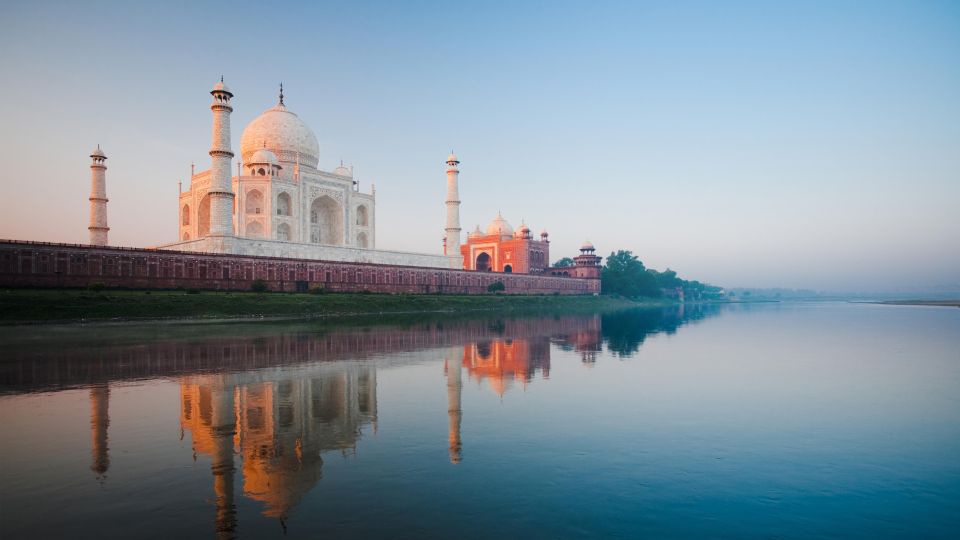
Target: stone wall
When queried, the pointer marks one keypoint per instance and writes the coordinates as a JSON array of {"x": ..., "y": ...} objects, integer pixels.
[{"x": 38, "y": 264}]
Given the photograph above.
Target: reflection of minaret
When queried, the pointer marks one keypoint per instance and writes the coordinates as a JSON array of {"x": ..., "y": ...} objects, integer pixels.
[
  {"x": 454, "y": 409},
  {"x": 99, "y": 424},
  {"x": 223, "y": 426}
]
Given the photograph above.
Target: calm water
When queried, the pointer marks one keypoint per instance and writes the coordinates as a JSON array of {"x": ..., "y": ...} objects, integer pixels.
[{"x": 760, "y": 421}]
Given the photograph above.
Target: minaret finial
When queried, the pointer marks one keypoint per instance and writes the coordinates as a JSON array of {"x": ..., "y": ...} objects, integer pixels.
[
  {"x": 281, "y": 93},
  {"x": 221, "y": 78}
]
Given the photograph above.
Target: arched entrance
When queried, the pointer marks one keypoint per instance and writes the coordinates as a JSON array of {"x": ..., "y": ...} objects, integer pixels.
[
  {"x": 326, "y": 221},
  {"x": 483, "y": 263},
  {"x": 508, "y": 269}
]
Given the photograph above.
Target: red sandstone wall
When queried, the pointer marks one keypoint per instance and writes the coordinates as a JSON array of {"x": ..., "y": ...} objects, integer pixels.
[{"x": 38, "y": 264}]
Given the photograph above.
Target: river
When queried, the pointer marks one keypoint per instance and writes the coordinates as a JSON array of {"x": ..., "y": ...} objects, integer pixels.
[{"x": 790, "y": 420}]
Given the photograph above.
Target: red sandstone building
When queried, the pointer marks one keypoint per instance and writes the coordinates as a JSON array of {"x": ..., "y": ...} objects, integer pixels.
[{"x": 503, "y": 250}]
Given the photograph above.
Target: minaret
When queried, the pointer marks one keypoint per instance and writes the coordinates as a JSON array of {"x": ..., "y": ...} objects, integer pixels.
[
  {"x": 454, "y": 409},
  {"x": 98, "y": 198},
  {"x": 221, "y": 188},
  {"x": 453, "y": 208}
]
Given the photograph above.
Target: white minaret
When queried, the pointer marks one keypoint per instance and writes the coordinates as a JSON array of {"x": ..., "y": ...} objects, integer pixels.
[
  {"x": 98, "y": 198},
  {"x": 221, "y": 185},
  {"x": 453, "y": 208}
]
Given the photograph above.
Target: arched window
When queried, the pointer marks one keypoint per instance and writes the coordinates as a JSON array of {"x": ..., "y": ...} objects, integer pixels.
[
  {"x": 362, "y": 240},
  {"x": 254, "y": 229},
  {"x": 508, "y": 269},
  {"x": 185, "y": 215},
  {"x": 261, "y": 172},
  {"x": 283, "y": 232},
  {"x": 186, "y": 236},
  {"x": 283, "y": 204},
  {"x": 254, "y": 202},
  {"x": 362, "y": 218}
]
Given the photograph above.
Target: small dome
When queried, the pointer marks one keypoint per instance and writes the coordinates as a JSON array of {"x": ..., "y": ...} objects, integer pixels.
[
  {"x": 587, "y": 246},
  {"x": 452, "y": 157},
  {"x": 97, "y": 152},
  {"x": 544, "y": 233},
  {"x": 221, "y": 87},
  {"x": 523, "y": 231},
  {"x": 263, "y": 157},
  {"x": 500, "y": 227},
  {"x": 343, "y": 171},
  {"x": 476, "y": 233}
]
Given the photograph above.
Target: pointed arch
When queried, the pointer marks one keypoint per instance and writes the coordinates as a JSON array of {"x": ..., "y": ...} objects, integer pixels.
[
  {"x": 185, "y": 215},
  {"x": 326, "y": 221},
  {"x": 203, "y": 217},
  {"x": 254, "y": 203},
  {"x": 363, "y": 219},
  {"x": 362, "y": 240},
  {"x": 284, "y": 204},
  {"x": 284, "y": 232},
  {"x": 254, "y": 229}
]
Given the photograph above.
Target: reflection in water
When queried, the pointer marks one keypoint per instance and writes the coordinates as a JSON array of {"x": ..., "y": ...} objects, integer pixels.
[
  {"x": 266, "y": 428},
  {"x": 279, "y": 427},
  {"x": 99, "y": 425}
]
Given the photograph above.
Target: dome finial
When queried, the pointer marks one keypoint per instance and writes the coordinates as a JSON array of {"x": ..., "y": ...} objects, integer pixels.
[
  {"x": 281, "y": 93},
  {"x": 221, "y": 78}
]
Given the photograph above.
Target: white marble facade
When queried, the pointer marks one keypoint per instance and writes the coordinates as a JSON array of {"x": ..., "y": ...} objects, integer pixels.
[{"x": 281, "y": 194}]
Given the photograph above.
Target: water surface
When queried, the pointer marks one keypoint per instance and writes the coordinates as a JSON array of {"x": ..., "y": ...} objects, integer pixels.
[{"x": 756, "y": 421}]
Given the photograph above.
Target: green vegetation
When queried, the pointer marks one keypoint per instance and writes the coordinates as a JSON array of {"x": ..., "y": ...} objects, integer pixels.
[
  {"x": 625, "y": 275},
  {"x": 66, "y": 305},
  {"x": 259, "y": 285},
  {"x": 496, "y": 286},
  {"x": 565, "y": 262}
]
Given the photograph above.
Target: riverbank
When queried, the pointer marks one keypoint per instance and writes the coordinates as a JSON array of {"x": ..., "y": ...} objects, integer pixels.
[
  {"x": 30, "y": 306},
  {"x": 944, "y": 303}
]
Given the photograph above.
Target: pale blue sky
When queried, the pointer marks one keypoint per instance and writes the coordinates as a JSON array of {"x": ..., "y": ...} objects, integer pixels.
[{"x": 807, "y": 144}]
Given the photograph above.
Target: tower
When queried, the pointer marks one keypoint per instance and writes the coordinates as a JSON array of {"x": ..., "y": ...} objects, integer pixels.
[
  {"x": 98, "y": 198},
  {"x": 221, "y": 188},
  {"x": 453, "y": 208}
]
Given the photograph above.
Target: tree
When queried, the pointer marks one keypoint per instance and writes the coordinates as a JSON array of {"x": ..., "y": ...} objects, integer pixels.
[
  {"x": 565, "y": 262},
  {"x": 625, "y": 275},
  {"x": 496, "y": 286}
]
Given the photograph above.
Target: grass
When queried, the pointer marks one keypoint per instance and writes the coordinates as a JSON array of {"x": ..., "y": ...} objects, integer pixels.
[{"x": 71, "y": 305}]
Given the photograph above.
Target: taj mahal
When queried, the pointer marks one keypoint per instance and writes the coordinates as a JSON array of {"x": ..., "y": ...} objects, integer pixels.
[
  {"x": 279, "y": 203},
  {"x": 277, "y": 217}
]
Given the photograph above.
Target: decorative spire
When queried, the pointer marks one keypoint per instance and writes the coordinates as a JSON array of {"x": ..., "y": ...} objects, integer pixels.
[
  {"x": 221, "y": 78},
  {"x": 281, "y": 93}
]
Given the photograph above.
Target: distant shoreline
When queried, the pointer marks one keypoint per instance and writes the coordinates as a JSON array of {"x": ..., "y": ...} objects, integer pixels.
[{"x": 942, "y": 303}]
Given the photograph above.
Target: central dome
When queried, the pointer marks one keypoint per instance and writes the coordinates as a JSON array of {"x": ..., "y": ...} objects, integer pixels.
[{"x": 283, "y": 133}]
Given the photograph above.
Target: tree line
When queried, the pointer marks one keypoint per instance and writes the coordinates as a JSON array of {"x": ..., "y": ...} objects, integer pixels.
[{"x": 625, "y": 275}]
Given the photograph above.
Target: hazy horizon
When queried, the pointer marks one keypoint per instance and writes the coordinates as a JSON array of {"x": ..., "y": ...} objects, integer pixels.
[{"x": 808, "y": 145}]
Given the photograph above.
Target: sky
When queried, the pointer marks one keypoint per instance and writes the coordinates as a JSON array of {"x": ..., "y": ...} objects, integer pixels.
[{"x": 746, "y": 144}]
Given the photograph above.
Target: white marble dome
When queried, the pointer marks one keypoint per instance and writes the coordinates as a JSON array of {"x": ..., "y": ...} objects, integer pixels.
[
  {"x": 283, "y": 133},
  {"x": 499, "y": 226}
]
